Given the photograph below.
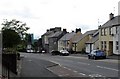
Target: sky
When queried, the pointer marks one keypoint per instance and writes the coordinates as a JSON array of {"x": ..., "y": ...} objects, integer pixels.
[{"x": 41, "y": 15}]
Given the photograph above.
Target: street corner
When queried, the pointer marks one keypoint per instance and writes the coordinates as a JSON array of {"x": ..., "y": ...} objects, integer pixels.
[{"x": 62, "y": 71}]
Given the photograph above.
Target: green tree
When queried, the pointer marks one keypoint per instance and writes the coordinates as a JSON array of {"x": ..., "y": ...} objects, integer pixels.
[
  {"x": 16, "y": 25},
  {"x": 10, "y": 38},
  {"x": 14, "y": 33}
]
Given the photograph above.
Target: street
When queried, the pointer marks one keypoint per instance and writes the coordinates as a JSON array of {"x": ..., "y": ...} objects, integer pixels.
[{"x": 46, "y": 65}]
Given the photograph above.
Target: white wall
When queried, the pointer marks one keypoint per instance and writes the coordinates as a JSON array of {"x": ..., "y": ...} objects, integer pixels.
[
  {"x": 87, "y": 48},
  {"x": 119, "y": 38},
  {"x": 115, "y": 38}
]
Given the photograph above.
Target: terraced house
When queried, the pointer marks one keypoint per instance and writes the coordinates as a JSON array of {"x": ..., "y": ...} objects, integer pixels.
[
  {"x": 108, "y": 35},
  {"x": 79, "y": 42}
]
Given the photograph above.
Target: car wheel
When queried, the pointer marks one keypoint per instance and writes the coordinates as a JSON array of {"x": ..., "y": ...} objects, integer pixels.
[
  {"x": 104, "y": 57},
  {"x": 94, "y": 57},
  {"x": 89, "y": 57}
]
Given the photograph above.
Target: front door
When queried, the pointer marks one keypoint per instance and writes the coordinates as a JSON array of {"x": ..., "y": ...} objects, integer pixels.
[{"x": 110, "y": 48}]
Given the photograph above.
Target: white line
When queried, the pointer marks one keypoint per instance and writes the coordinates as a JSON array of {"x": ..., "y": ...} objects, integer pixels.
[
  {"x": 64, "y": 67},
  {"x": 56, "y": 62},
  {"x": 82, "y": 74},
  {"x": 108, "y": 68},
  {"x": 75, "y": 71},
  {"x": 60, "y": 75},
  {"x": 67, "y": 68}
]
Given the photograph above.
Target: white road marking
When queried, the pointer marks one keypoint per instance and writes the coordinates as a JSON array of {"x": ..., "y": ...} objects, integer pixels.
[
  {"x": 67, "y": 68},
  {"x": 95, "y": 75},
  {"x": 55, "y": 62},
  {"x": 82, "y": 74},
  {"x": 60, "y": 75},
  {"x": 64, "y": 67},
  {"x": 108, "y": 68},
  {"x": 75, "y": 71}
]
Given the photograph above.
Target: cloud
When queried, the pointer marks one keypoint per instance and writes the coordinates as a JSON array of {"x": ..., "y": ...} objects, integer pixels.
[{"x": 70, "y": 14}]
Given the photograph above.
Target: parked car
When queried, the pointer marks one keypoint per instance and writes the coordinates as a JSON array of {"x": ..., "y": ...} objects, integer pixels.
[
  {"x": 94, "y": 54},
  {"x": 43, "y": 51},
  {"x": 30, "y": 51},
  {"x": 53, "y": 52},
  {"x": 64, "y": 52}
]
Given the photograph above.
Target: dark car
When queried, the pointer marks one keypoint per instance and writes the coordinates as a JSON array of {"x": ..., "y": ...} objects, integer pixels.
[
  {"x": 64, "y": 52},
  {"x": 94, "y": 54},
  {"x": 53, "y": 52}
]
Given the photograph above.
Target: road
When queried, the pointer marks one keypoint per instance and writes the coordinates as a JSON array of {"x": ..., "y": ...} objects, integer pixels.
[
  {"x": 67, "y": 66},
  {"x": 33, "y": 67}
]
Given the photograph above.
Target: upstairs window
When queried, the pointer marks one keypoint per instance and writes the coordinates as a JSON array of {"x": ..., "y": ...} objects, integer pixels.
[
  {"x": 110, "y": 31},
  {"x": 117, "y": 45}
]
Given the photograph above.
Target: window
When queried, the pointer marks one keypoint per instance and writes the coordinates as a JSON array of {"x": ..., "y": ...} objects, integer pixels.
[
  {"x": 110, "y": 30},
  {"x": 117, "y": 45},
  {"x": 101, "y": 44},
  {"x": 105, "y": 45},
  {"x": 116, "y": 30},
  {"x": 105, "y": 31},
  {"x": 102, "y": 32}
]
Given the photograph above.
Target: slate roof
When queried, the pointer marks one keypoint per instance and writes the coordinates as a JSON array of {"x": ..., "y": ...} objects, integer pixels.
[
  {"x": 56, "y": 34},
  {"x": 112, "y": 22},
  {"x": 48, "y": 33},
  {"x": 68, "y": 36},
  {"x": 93, "y": 40},
  {"x": 85, "y": 34}
]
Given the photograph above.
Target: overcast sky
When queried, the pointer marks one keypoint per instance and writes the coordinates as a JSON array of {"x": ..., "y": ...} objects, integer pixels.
[{"x": 70, "y": 14}]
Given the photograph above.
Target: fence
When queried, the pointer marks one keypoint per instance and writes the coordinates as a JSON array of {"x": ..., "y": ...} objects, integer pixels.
[{"x": 9, "y": 62}]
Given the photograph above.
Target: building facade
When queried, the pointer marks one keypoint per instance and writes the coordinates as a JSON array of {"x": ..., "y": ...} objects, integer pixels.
[
  {"x": 53, "y": 40},
  {"x": 45, "y": 37},
  {"x": 93, "y": 43},
  {"x": 108, "y": 35},
  {"x": 79, "y": 43},
  {"x": 64, "y": 42}
]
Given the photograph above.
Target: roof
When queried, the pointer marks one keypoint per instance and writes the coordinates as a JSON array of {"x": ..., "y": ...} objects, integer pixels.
[
  {"x": 85, "y": 34},
  {"x": 56, "y": 34},
  {"x": 112, "y": 22},
  {"x": 68, "y": 36},
  {"x": 93, "y": 40},
  {"x": 47, "y": 33}
]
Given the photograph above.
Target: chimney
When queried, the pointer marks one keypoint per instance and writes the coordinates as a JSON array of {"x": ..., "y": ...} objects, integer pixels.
[
  {"x": 64, "y": 30},
  {"x": 47, "y": 30},
  {"x": 72, "y": 31},
  {"x": 78, "y": 30},
  {"x": 111, "y": 16}
]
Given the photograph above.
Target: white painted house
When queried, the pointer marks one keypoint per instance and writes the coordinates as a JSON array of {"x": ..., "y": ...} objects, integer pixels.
[{"x": 93, "y": 43}]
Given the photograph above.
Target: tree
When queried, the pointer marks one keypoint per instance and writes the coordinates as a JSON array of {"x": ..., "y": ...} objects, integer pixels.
[
  {"x": 10, "y": 38},
  {"x": 14, "y": 33},
  {"x": 16, "y": 25}
]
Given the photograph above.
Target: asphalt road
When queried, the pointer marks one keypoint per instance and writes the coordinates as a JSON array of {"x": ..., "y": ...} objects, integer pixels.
[
  {"x": 69, "y": 66},
  {"x": 32, "y": 66}
]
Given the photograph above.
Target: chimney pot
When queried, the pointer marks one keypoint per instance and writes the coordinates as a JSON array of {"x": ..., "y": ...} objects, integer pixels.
[
  {"x": 78, "y": 30},
  {"x": 111, "y": 16}
]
